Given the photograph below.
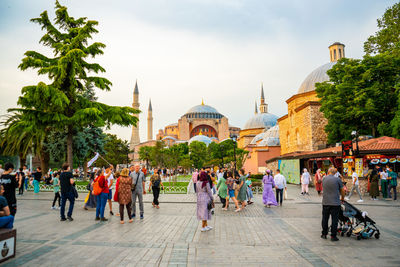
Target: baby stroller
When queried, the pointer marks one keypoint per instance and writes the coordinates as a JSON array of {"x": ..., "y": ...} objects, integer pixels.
[{"x": 353, "y": 222}]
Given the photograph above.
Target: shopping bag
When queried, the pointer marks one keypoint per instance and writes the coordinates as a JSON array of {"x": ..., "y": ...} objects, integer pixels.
[{"x": 285, "y": 194}]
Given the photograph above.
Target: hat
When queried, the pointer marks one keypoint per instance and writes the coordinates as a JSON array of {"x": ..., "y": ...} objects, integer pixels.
[{"x": 125, "y": 172}]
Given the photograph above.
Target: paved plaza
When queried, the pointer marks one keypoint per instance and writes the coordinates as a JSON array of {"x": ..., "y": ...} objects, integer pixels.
[{"x": 171, "y": 236}]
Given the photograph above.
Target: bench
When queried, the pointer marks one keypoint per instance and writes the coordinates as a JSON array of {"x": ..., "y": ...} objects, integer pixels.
[{"x": 8, "y": 241}]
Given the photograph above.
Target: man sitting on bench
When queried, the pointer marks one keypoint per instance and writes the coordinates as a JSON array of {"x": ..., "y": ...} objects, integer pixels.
[{"x": 6, "y": 220}]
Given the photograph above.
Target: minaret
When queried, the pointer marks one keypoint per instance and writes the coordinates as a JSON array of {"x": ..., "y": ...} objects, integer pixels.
[
  {"x": 263, "y": 106},
  {"x": 150, "y": 122},
  {"x": 336, "y": 51},
  {"x": 135, "y": 139}
]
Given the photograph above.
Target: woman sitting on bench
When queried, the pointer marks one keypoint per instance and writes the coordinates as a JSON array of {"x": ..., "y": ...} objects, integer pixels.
[{"x": 6, "y": 220}]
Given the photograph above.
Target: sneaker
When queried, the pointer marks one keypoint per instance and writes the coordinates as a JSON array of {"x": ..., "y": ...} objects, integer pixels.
[
  {"x": 237, "y": 210},
  {"x": 360, "y": 200},
  {"x": 131, "y": 220},
  {"x": 133, "y": 216},
  {"x": 204, "y": 229},
  {"x": 209, "y": 228},
  {"x": 58, "y": 208},
  {"x": 334, "y": 238},
  {"x": 224, "y": 209},
  {"x": 103, "y": 219},
  {"x": 121, "y": 222},
  {"x": 141, "y": 216},
  {"x": 97, "y": 219},
  {"x": 70, "y": 218},
  {"x": 112, "y": 213},
  {"x": 346, "y": 198},
  {"x": 53, "y": 208},
  {"x": 323, "y": 236},
  {"x": 63, "y": 220}
]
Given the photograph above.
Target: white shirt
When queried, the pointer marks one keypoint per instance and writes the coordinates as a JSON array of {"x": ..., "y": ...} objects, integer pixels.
[
  {"x": 1, "y": 171},
  {"x": 384, "y": 175},
  {"x": 355, "y": 178},
  {"x": 109, "y": 180},
  {"x": 280, "y": 181}
]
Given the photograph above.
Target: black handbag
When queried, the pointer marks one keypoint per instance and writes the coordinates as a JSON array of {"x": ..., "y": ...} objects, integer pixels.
[
  {"x": 75, "y": 192},
  {"x": 210, "y": 205}
]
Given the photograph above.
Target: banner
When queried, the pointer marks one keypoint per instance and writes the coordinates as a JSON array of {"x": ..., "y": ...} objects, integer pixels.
[
  {"x": 290, "y": 168},
  {"x": 93, "y": 160}
]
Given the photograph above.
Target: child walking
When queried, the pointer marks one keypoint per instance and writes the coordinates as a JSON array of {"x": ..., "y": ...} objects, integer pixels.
[{"x": 56, "y": 190}]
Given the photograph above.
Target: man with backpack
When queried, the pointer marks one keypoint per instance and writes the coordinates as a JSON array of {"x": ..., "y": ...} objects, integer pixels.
[{"x": 138, "y": 189}]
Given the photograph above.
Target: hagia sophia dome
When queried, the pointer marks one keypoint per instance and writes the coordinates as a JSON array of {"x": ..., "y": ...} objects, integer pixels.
[
  {"x": 203, "y": 112},
  {"x": 267, "y": 138}
]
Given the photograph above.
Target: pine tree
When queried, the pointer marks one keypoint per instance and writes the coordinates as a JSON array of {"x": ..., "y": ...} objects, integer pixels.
[{"x": 62, "y": 104}]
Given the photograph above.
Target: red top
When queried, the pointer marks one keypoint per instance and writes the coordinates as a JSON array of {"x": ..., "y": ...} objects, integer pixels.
[{"x": 103, "y": 184}]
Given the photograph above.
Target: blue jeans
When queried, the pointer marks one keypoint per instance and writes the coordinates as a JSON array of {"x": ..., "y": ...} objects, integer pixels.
[
  {"x": 101, "y": 204},
  {"x": 7, "y": 222},
  {"x": 26, "y": 183},
  {"x": 70, "y": 196}
]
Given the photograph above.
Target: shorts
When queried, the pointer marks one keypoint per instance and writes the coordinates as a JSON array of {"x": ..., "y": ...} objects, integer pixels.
[
  {"x": 109, "y": 194},
  {"x": 231, "y": 193}
]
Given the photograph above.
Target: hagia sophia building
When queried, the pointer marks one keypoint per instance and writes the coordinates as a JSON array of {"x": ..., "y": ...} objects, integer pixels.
[{"x": 264, "y": 135}]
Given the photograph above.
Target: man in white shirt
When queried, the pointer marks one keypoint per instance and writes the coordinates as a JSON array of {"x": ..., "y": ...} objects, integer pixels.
[
  {"x": 355, "y": 186},
  {"x": 280, "y": 185},
  {"x": 110, "y": 180},
  {"x": 384, "y": 182}
]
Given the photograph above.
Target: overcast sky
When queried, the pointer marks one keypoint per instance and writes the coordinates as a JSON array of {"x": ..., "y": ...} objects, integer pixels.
[{"x": 181, "y": 51}]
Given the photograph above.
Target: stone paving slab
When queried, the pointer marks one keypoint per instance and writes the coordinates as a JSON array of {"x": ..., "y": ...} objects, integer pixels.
[{"x": 171, "y": 236}]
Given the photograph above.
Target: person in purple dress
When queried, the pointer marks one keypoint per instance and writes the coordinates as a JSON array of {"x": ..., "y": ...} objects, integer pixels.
[
  {"x": 268, "y": 195},
  {"x": 204, "y": 196}
]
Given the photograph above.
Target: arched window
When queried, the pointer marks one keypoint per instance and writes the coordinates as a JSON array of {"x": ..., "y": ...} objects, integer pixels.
[
  {"x": 288, "y": 139},
  {"x": 334, "y": 54},
  {"x": 340, "y": 53}
]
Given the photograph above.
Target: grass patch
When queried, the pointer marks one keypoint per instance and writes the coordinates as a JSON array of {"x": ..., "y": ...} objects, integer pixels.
[{"x": 175, "y": 184}]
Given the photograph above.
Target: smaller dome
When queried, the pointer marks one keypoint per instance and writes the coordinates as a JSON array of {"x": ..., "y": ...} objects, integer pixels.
[
  {"x": 261, "y": 120},
  {"x": 267, "y": 138},
  {"x": 316, "y": 76},
  {"x": 201, "y": 138},
  {"x": 169, "y": 137}
]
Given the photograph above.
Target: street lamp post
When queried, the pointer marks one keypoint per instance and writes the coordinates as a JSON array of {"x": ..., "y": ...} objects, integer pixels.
[
  {"x": 355, "y": 134},
  {"x": 234, "y": 138}
]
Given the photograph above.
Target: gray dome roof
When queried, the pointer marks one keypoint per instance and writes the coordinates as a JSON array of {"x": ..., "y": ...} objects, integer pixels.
[
  {"x": 267, "y": 138},
  {"x": 316, "y": 76},
  {"x": 201, "y": 138},
  {"x": 261, "y": 120},
  {"x": 202, "y": 109}
]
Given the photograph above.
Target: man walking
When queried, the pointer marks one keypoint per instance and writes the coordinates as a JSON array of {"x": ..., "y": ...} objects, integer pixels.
[
  {"x": 195, "y": 176},
  {"x": 66, "y": 183},
  {"x": 333, "y": 194},
  {"x": 280, "y": 185},
  {"x": 355, "y": 186},
  {"x": 392, "y": 176},
  {"x": 138, "y": 189}
]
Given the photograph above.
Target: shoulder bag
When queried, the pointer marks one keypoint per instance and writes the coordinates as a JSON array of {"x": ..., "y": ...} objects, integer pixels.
[{"x": 134, "y": 186}]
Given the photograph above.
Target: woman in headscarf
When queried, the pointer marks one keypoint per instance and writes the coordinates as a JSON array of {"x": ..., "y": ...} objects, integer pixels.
[
  {"x": 125, "y": 194},
  {"x": 305, "y": 181},
  {"x": 374, "y": 180},
  {"x": 318, "y": 181},
  {"x": 90, "y": 201},
  {"x": 242, "y": 195},
  {"x": 268, "y": 195},
  {"x": 204, "y": 198}
]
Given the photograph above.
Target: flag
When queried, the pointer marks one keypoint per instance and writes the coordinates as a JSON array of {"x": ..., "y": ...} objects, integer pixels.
[{"x": 93, "y": 159}]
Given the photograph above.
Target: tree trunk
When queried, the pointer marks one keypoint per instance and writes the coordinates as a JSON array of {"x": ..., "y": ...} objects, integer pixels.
[
  {"x": 85, "y": 169},
  {"x": 44, "y": 162},
  {"x": 69, "y": 147},
  {"x": 22, "y": 160}
]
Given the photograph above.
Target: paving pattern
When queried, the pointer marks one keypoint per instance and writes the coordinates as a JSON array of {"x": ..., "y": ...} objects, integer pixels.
[{"x": 171, "y": 236}]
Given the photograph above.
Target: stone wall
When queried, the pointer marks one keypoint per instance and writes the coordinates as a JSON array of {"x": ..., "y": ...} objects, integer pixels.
[{"x": 318, "y": 122}]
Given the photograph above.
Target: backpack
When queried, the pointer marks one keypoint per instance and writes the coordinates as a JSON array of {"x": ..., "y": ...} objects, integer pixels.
[{"x": 96, "y": 188}]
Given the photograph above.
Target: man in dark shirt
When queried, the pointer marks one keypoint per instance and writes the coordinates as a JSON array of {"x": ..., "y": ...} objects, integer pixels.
[
  {"x": 66, "y": 183},
  {"x": 37, "y": 176},
  {"x": 331, "y": 201},
  {"x": 10, "y": 183}
]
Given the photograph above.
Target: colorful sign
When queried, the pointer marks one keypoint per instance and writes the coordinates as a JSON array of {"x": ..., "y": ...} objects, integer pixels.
[
  {"x": 290, "y": 168},
  {"x": 347, "y": 148},
  {"x": 359, "y": 167}
]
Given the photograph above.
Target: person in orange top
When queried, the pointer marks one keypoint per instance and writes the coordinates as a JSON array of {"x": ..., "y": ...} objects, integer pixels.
[{"x": 102, "y": 198}]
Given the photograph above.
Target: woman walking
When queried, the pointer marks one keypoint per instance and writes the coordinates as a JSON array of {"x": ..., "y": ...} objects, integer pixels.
[
  {"x": 231, "y": 186},
  {"x": 102, "y": 197},
  {"x": 374, "y": 180},
  {"x": 318, "y": 181},
  {"x": 155, "y": 184},
  {"x": 204, "y": 198},
  {"x": 222, "y": 191},
  {"x": 56, "y": 190},
  {"x": 242, "y": 195},
  {"x": 268, "y": 194},
  {"x": 305, "y": 181},
  {"x": 125, "y": 194},
  {"x": 249, "y": 190}
]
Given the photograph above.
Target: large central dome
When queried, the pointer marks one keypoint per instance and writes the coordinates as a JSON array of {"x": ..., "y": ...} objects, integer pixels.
[
  {"x": 316, "y": 76},
  {"x": 203, "y": 112}
]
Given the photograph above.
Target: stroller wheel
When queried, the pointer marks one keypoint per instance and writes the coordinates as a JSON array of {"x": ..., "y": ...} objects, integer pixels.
[
  {"x": 377, "y": 235},
  {"x": 348, "y": 234},
  {"x": 358, "y": 237}
]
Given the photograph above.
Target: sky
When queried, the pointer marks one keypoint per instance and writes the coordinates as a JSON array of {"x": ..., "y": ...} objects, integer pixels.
[{"x": 183, "y": 51}]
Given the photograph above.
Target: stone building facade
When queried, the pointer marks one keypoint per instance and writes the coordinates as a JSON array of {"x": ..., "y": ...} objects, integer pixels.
[{"x": 303, "y": 128}]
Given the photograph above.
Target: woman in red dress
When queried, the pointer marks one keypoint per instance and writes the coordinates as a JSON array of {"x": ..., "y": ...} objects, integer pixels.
[{"x": 318, "y": 181}]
